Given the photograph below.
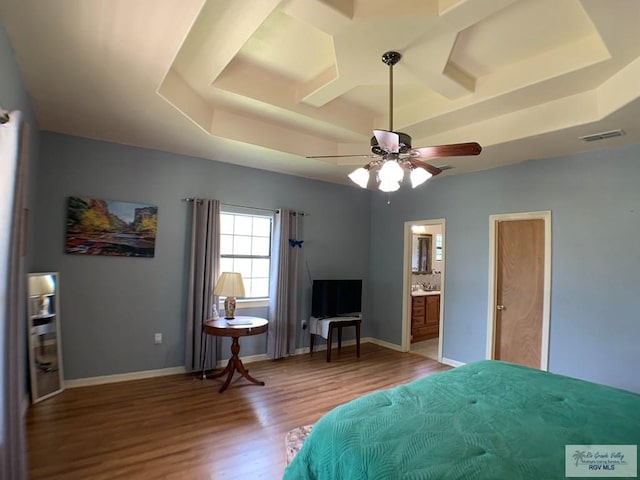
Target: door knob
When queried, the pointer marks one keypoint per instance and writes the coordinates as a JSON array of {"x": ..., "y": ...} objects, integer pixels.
[{"x": 499, "y": 307}]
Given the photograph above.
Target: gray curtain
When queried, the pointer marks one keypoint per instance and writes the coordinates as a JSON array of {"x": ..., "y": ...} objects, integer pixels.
[
  {"x": 283, "y": 300},
  {"x": 203, "y": 273},
  {"x": 12, "y": 298}
]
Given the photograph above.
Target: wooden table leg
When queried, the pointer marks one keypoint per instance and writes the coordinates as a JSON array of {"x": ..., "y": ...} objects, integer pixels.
[
  {"x": 329, "y": 341},
  {"x": 339, "y": 337},
  {"x": 234, "y": 364},
  {"x": 245, "y": 373},
  {"x": 228, "y": 370}
]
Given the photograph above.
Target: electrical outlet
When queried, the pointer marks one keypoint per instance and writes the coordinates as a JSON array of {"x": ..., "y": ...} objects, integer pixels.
[
  {"x": 304, "y": 324},
  {"x": 157, "y": 338}
]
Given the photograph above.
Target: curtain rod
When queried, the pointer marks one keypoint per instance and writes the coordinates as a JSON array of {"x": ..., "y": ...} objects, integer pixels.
[
  {"x": 302, "y": 214},
  {"x": 190, "y": 199},
  {"x": 252, "y": 208},
  {"x": 4, "y": 115}
]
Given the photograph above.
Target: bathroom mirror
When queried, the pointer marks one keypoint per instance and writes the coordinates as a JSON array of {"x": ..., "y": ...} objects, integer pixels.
[
  {"x": 45, "y": 354},
  {"x": 421, "y": 252}
]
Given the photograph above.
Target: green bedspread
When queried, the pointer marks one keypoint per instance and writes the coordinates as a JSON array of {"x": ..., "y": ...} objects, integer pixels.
[{"x": 485, "y": 420}]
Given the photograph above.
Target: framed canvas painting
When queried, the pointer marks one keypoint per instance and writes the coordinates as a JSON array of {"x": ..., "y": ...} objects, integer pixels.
[{"x": 109, "y": 227}]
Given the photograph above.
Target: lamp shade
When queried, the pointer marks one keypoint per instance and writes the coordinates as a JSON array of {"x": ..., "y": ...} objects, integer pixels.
[
  {"x": 419, "y": 176},
  {"x": 389, "y": 186},
  {"x": 391, "y": 171},
  {"x": 41, "y": 285},
  {"x": 360, "y": 176},
  {"x": 229, "y": 284}
]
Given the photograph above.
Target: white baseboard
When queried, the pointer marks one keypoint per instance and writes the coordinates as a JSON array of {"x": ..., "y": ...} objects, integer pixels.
[
  {"x": 122, "y": 377},
  {"x": 125, "y": 377},
  {"x": 251, "y": 358},
  {"x": 382, "y": 343},
  {"x": 323, "y": 347},
  {"x": 452, "y": 363},
  {"x": 299, "y": 351}
]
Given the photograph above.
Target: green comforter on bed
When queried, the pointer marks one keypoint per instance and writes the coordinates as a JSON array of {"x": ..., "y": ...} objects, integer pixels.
[{"x": 485, "y": 420}]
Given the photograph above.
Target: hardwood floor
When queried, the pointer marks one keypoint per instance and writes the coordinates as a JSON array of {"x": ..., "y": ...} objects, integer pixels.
[{"x": 180, "y": 427}]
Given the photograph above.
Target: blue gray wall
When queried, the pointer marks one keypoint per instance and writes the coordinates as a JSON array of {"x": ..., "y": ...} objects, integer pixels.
[
  {"x": 594, "y": 200},
  {"x": 112, "y": 306}
]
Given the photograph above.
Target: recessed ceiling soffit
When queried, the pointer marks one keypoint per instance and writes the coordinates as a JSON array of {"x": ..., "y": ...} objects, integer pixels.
[{"x": 305, "y": 76}]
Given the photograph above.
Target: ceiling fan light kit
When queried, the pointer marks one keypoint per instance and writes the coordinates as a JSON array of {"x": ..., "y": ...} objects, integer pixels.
[
  {"x": 418, "y": 176},
  {"x": 389, "y": 186},
  {"x": 360, "y": 176},
  {"x": 396, "y": 153},
  {"x": 390, "y": 172}
]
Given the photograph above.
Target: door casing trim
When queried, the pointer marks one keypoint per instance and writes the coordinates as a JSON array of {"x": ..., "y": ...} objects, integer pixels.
[
  {"x": 406, "y": 283},
  {"x": 546, "y": 302}
]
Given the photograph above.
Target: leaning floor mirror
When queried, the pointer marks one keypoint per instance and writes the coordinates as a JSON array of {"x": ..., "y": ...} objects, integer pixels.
[{"x": 45, "y": 353}]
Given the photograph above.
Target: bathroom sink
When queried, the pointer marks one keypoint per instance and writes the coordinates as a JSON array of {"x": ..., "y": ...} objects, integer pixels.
[{"x": 425, "y": 292}]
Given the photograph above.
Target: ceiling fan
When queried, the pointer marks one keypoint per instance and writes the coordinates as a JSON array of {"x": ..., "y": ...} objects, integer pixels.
[{"x": 394, "y": 154}]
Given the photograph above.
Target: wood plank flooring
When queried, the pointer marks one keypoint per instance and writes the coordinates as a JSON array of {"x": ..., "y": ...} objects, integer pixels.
[{"x": 180, "y": 427}]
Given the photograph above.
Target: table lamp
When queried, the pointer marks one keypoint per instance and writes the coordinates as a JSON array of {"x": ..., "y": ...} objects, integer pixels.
[
  {"x": 230, "y": 286},
  {"x": 42, "y": 286}
]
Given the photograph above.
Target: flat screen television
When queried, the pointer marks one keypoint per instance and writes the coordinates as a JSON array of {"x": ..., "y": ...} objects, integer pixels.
[{"x": 336, "y": 298}]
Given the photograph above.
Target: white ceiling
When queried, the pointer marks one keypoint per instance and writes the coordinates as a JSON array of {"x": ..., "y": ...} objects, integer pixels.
[{"x": 265, "y": 83}]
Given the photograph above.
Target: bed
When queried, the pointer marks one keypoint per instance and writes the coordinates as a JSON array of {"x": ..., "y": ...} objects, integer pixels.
[{"x": 485, "y": 420}]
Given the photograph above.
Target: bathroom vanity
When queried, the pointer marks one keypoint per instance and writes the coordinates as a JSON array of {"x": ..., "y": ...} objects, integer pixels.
[{"x": 425, "y": 315}]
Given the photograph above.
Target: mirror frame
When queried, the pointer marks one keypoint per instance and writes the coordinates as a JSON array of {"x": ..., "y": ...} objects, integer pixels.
[
  {"x": 421, "y": 251},
  {"x": 43, "y": 316}
]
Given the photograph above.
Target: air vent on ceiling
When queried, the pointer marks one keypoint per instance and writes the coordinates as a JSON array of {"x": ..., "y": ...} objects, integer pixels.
[{"x": 601, "y": 136}]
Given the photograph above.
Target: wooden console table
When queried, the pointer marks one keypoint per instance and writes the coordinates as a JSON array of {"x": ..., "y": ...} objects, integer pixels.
[
  {"x": 221, "y": 328},
  {"x": 325, "y": 326}
]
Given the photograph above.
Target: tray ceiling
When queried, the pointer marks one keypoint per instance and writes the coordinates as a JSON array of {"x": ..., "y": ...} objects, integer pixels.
[{"x": 265, "y": 83}]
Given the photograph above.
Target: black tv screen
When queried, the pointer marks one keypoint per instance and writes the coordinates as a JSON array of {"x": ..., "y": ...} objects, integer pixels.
[{"x": 335, "y": 298}]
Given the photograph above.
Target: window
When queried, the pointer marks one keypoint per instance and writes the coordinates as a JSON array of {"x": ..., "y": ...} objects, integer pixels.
[
  {"x": 438, "y": 247},
  {"x": 245, "y": 247}
]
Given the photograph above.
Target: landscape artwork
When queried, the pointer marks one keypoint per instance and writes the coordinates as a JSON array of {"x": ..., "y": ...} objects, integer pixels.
[{"x": 107, "y": 227}]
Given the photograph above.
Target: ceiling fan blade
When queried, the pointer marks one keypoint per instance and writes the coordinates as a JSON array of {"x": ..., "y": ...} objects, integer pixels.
[
  {"x": 341, "y": 156},
  {"x": 429, "y": 168},
  {"x": 388, "y": 141},
  {"x": 357, "y": 161},
  {"x": 454, "y": 150}
]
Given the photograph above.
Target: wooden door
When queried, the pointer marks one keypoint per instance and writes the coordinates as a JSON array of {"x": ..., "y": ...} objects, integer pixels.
[{"x": 519, "y": 291}]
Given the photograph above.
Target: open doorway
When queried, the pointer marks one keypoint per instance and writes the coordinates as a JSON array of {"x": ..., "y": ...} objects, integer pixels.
[{"x": 423, "y": 291}]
